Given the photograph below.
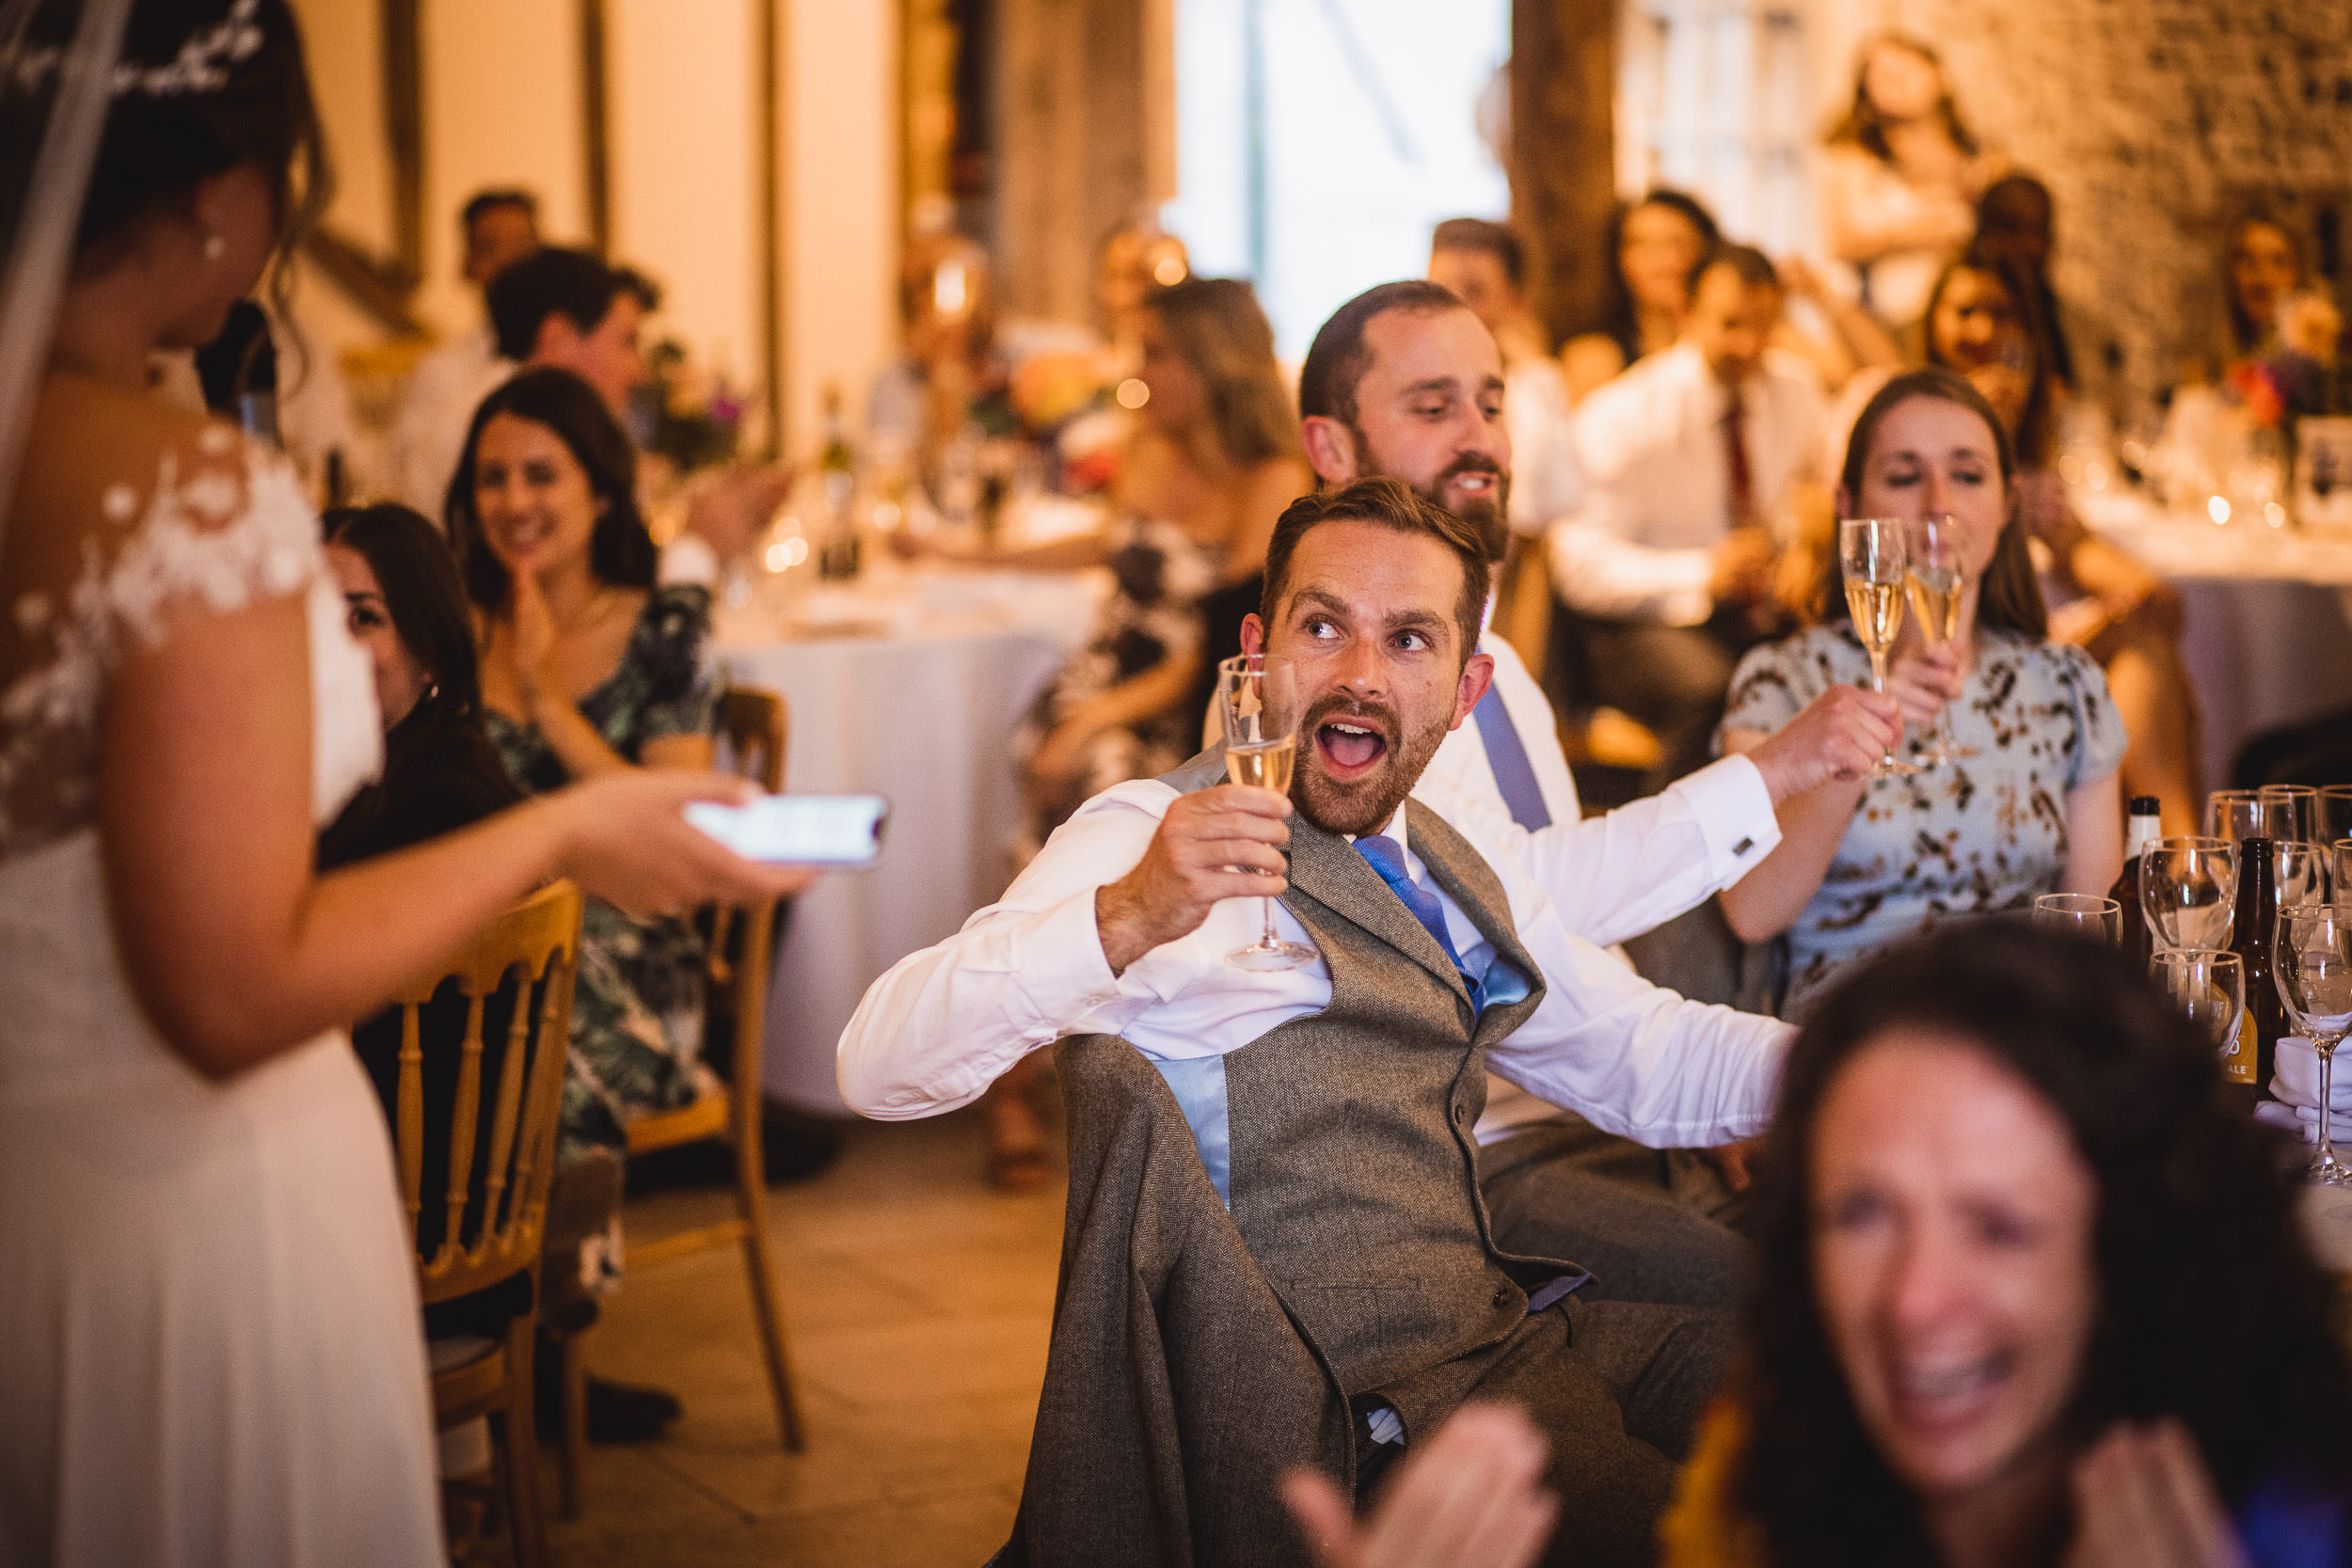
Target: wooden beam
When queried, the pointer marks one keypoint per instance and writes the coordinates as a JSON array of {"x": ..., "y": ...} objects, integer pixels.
[{"x": 1562, "y": 153}]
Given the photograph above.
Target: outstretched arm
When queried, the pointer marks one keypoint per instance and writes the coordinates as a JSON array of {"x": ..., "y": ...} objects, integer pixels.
[{"x": 1063, "y": 953}]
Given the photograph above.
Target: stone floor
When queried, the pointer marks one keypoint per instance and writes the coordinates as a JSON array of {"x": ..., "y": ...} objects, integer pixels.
[{"x": 917, "y": 1303}]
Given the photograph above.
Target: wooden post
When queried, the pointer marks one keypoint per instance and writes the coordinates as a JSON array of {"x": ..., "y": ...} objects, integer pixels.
[{"x": 1562, "y": 152}]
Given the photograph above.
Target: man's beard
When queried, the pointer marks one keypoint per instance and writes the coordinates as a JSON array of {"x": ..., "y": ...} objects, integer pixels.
[
  {"x": 1488, "y": 515},
  {"x": 1368, "y": 802}
]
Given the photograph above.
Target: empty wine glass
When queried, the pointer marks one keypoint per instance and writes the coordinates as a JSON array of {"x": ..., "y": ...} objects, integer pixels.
[
  {"x": 1258, "y": 698},
  {"x": 2312, "y": 962},
  {"x": 2189, "y": 888},
  {"x": 2294, "y": 809},
  {"x": 2334, "y": 820},
  {"x": 2339, "y": 870},
  {"x": 2238, "y": 813},
  {"x": 2208, "y": 985},
  {"x": 2301, "y": 870},
  {"x": 1870, "y": 554},
  {"x": 2086, "y": 912},
  {"x": 1935, "y": 574}
]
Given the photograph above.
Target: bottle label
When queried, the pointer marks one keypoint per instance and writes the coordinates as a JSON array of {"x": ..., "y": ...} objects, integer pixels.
[{"x": 2239, "y": 1056}]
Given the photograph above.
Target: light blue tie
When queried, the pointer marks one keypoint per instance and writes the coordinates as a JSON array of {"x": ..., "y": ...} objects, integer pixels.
[
  {"x": 1507, "y": 755},
  {"x": 1387, "y": 856}
]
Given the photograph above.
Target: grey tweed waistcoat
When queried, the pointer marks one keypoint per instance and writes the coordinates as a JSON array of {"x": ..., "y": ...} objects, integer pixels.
[{"x": 1353, "y": 1174}]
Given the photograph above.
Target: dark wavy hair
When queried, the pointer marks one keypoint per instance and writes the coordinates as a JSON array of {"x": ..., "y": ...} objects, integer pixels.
[
  {"x": 1864, "y": 126},
  {"x": 1620, "y": 320},
  {"x": 158, "y": 147},
  {"x": 619, "y": 552},
  {"x": 2211, "y": 1308},
  {"x": 2009, "y": 266},
  {"x": 417, "y": 578},
  {"x": 2009, "y": 597}
]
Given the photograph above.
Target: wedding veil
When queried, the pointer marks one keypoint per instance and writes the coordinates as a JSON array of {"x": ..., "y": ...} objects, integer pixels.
[{"x": 43, "y": 182}]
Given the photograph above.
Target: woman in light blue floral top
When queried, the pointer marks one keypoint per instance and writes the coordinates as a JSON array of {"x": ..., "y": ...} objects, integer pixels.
[{"x": 1864, "y": 864}]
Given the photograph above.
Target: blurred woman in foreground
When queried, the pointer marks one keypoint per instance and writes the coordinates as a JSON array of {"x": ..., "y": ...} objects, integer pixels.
[{"x": 2031, "y": 1292}]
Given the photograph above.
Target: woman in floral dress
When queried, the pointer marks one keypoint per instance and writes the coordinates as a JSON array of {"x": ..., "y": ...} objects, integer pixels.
[{"x": 1864, "y": 864}]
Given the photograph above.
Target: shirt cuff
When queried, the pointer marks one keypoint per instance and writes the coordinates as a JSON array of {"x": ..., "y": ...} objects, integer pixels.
[{"x": 1734, "y": 810}]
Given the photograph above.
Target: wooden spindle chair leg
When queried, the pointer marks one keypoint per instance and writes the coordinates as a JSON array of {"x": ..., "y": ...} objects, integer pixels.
[
  {"x": 524, "y": 1509},
  {"x": 750, "y": 1180},
  {"x": 572, "y": 1371}
]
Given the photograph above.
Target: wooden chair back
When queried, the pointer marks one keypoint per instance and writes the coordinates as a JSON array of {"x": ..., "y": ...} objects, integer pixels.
[
  {"x": 753, "y": 725},
  {"x": 531, "y": 948}
]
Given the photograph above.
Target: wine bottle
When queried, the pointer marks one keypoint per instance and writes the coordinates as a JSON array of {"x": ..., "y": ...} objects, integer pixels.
[
  {"x": 2142, "y": 829},
  {"x": 2249, "y": 1064},
  {"x": 838, "y": 552}
]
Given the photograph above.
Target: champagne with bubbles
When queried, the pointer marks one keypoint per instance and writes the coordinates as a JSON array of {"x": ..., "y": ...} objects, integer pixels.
[
  {"x": 1878, "y": 613},
  {"x": 1265, "y": 766},
  {"x": 1935, "y": 599}
]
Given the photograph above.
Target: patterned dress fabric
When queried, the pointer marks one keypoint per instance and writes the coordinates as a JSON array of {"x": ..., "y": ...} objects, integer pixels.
[
  {"x": 1161, "y": 576},
  {"x": 209, "y": 1340},
  {"x": 637, "y": 1009},
  {"x": 1977, "y": 834}
]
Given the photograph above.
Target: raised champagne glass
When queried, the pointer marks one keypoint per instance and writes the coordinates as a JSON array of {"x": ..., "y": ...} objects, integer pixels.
[
  {"x": 1257, "y": 696},
  {"x": 1935, "y": 578},
  {"x": 1870, "y": 554},
  {"x": 2312, "y": 963}
]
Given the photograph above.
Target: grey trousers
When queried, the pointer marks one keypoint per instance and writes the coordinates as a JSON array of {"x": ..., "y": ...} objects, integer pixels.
[
  {"x": 1617, "y": 1388},
  {"x": 1651, "y": 1224}
]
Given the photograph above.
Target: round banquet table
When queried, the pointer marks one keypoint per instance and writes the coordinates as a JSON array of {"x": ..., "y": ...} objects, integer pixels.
[
  {"x": 2264, "y": 633},
  {"x": 910, "y": 686}
]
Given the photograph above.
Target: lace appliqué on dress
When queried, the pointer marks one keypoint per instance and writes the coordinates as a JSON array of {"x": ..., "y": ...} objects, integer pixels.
[{"x": 221, "y": 534}]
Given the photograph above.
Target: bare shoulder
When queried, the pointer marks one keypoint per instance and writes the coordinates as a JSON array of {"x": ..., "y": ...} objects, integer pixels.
[{"x": 97, "y": 457}]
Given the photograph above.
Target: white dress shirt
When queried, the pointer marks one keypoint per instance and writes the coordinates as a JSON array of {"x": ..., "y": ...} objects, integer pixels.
[
  {"x": 436, "y": 412},
  {"x": 1611, "y": 877},
  {"x": 943, "y": 1024},
  {"x": 1547, "y": 482},
  {"x": 1657, "y": 496}
]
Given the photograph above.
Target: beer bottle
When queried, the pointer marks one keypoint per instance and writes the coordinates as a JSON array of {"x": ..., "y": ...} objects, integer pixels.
[
  {"x": 2249, "y": 1063},
  {"x": 2141, "y": 830}
]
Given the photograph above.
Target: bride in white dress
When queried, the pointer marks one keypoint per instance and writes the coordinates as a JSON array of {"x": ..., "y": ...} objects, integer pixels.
[{"x": 210, "y": 1344}]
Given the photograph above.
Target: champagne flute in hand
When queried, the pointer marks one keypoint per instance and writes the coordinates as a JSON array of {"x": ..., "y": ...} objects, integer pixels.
[
  {"x": 1935, "y": 578},
  {"x": 2312, "y": 962},
  {"x": 1258, "y": 699},
  {"x": 1870, "y": 553}
]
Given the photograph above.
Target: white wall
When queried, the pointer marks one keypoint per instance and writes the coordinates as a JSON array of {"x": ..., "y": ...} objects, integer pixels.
[
  {"x": 841, "y": 185},
  {"x": 503, "y": 107},
  {"x": 683, "y": 96}
]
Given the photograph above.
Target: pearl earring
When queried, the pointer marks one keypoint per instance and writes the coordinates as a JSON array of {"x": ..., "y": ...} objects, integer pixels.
[{"x": 214, "y": 244}]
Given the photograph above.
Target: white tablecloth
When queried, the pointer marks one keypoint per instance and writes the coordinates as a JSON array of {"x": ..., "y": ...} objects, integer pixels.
[
  {"x": 910, "y": 689},
  {"x": 2264, "y": 632}
]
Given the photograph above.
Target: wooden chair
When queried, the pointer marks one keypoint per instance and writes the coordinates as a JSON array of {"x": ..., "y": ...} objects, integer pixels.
[
  {"x": 751, "y": 728},
  {"x": 534, "y": 945}
]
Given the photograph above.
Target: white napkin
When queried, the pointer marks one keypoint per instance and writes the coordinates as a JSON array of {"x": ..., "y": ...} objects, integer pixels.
[
  {"x": 2296, "y": 1076},
  {"x": 2303, "y": 1121}
]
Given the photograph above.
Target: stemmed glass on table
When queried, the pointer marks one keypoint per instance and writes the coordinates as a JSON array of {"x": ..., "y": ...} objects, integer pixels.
[
  {"x": 2188, "y": 889},
  {"x": 1935, "y": 576},
  {"x": 2209, "y": 987},
  {"x": 1871, "y": 555},
  {"x": 2312, "y": 960},
  {"x": 1257, "y": 697},
  {"x": 2087, "y": 912}
]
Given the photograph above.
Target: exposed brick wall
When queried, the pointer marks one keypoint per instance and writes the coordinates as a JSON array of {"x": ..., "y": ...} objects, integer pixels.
[{"x": 2150, "y": 120}]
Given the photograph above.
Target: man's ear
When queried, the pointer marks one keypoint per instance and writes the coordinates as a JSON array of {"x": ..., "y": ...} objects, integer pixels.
[
  {"x": 1330, "y": 448},
  {"x": 1477, "y": 675},
  {"x": 1252, "y": 634}
]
